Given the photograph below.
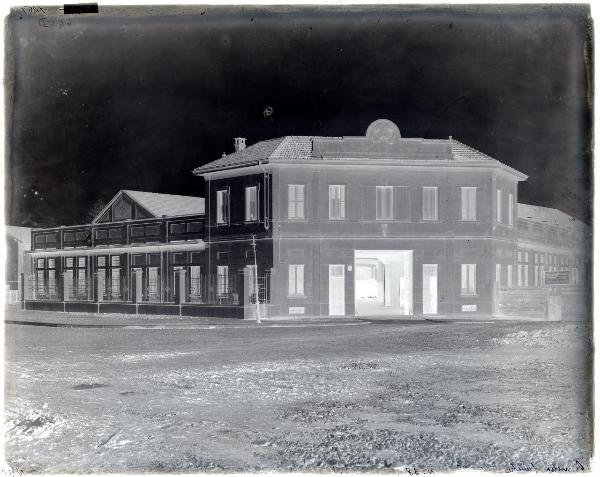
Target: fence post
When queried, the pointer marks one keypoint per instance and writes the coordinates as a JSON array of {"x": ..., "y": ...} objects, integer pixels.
[{"x": 22, "y": 278}]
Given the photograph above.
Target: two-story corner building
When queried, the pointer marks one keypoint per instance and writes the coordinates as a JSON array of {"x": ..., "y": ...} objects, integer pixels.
[
  {"x": 362, "y": 226},
  {"x": 365, "y": 226}
]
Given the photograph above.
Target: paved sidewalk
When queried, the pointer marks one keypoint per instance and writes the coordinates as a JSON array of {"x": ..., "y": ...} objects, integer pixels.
[{"x": 17, "y": 316}]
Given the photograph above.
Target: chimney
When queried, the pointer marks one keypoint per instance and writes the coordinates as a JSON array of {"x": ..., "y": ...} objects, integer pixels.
[{"x": 239, "y": 143}]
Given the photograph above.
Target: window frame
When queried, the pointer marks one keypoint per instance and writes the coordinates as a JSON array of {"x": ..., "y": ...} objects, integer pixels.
[
  {"x": 468, "y": 276},
  {"x": 341, "y": 204},
  {"x": 247, "y": 202},
  {"x": 222, "y": 216},
  {"x": 465, "y": 192},
  {"x": 294, "y": 203},
  {"x": 380, "y": 201},
  {"x": 436, "y": 201},
  {"x": 294, "y": 280}
]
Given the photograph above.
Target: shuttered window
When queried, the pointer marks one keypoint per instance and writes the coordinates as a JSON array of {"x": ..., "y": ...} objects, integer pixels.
[
  {"x": 251, "y": 204},
  {"x": 384, "y": 203},
  {"x": 295, "y": 201},
  {"x": 222, "y": 207},
  {"x": 468, "y": 199},
  {"x": 337, "y": 202},
  {"x": 296, "y": 280},
  {"x": 468, "y": 279},
  {"x": 430, "y": 203},
  {"x": 511, "y": 210}
]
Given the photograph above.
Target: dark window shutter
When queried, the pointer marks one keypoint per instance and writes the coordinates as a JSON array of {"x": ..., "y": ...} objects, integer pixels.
[{"x": 368, "y": 203}]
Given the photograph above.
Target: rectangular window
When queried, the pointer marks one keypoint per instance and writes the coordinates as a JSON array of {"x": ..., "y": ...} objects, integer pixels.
[
  {"x": 195, "y": 282},
  {"x": 222, "y": 280},
  {"x": 499, "y": 206},
  {"x": 385, "y": 203},
  {"x": 81, "y": 284},
  {"x": 467, "y": 279},
  {"x": 40, "y": 263},
  {"x": 115, "y": 261},
  {"x": 152, "y": 230},
  {"x": 152, "y": 284},
  {"x": 498, "y": 272},
  {"x": 52, "y": 282},
  {"x": 296, "y": 280},
  {"x": 251, "y": 204},
  {"x": 115, "y": 282},
  {"x": 175, "y": 229},
  {"x": 222, "y": 206},
  {"x": 193, "y": 227},
  {"x": 337, "y": 202},
  {"x": 81, "y": 262},
  {"x": 468, "y": 198},
  {"x": 101, "y": 261},
  {"x": 511, "y": 210},
  {"x": 509, "y": 273},
  {"x": 295, "y": 201},
  {"x": 41, "y": 288},
  {"x": 137, "y": 231},
  {"x": 430, "y": 203},
  {"x": 69, "y": 262}
]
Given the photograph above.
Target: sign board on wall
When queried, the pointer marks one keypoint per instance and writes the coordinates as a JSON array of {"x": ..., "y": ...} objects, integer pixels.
[
  {"x": 296, "y": 310},
  {"x": 559, "y": 277}
]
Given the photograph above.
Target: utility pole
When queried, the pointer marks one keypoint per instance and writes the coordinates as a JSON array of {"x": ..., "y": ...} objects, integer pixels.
[{"x": 256, "y": 281}]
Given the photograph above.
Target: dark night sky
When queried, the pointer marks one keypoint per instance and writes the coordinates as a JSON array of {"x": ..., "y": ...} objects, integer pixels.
[{"x": 127, "y": 101}]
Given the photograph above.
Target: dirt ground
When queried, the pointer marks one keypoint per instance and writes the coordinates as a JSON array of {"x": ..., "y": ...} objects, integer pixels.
[{"x": 385, "y": 396}]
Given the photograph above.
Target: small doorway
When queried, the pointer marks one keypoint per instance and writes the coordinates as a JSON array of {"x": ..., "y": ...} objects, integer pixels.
[
  {"x": 337, "y": 295},
  {"x": 383, "y": 282},
  {"x": 430, "y": 289}
]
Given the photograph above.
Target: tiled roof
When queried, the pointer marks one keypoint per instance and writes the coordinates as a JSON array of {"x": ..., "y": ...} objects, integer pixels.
[
  {"x": 462, "y": 152},
  {"x": 250, "y": 155},
  {"x": 167, "y": 204},
  {"x": 546, "y": 215},
  {"x": 319, "y": 147}
]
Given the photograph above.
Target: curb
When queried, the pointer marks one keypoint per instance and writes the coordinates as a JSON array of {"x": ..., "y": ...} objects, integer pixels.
[{"x": 186, "y": 326}]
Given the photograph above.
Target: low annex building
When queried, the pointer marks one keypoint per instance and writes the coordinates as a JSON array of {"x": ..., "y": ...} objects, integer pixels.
[{"x": 374, "y": 225}]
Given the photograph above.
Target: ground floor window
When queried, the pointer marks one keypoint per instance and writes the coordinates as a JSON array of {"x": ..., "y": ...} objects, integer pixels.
[
  {"x": 295, "y": 280},
  {"x": 222, "y": 280},
  {"x": 468, "y": 279},
  {"x": 77, "y": 283},
  {"x": 509, "y": 272}
]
